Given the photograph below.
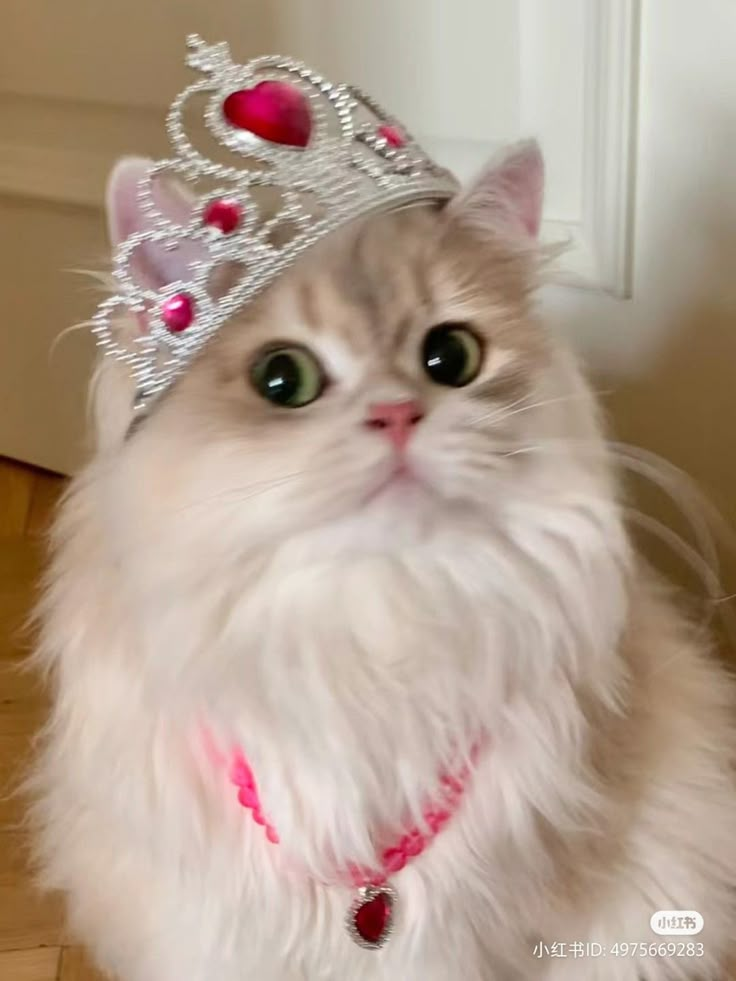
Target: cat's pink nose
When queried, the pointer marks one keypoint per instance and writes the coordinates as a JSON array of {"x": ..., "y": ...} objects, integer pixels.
[{"x": 396, "y": 420}]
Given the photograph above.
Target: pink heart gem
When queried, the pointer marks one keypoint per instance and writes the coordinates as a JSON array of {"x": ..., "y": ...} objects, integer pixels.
[{"x": 274, "y": 111}]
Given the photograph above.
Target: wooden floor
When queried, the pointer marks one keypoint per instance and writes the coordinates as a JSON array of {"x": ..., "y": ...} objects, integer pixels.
[{"x": 32, "y": 944}]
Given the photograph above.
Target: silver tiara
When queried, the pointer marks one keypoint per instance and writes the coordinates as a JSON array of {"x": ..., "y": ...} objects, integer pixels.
[{"x": 329, "y": 153}]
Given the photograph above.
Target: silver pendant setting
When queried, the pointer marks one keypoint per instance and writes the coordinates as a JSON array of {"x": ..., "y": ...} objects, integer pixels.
[{"x": 370, "y": 919}]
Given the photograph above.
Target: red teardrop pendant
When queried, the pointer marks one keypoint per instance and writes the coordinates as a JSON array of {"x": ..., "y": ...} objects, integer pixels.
[
  {"x": 274, "y": 111},
  {"x": 370, "y": 919}
]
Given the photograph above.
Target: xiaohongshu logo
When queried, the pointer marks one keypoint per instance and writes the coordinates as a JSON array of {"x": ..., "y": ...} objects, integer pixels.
[{"x": 676, "y": 922}]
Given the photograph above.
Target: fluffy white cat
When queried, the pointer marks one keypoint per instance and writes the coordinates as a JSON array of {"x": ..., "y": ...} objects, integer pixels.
[{"x": 278, "y": 561}]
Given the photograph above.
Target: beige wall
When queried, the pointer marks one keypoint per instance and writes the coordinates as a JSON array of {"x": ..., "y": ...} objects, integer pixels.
[
  {"x": 44, "y": 387},
  {"x": 129, "y": 53},
  {"x": 81, "y": 83}
]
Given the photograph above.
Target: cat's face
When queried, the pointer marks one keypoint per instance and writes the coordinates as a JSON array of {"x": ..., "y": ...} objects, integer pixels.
[
  {"x": 386, "y": 443},
  {"x": 380, "y": 390}
]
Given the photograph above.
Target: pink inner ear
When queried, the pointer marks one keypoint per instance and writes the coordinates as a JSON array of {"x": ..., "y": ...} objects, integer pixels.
[
  {"x": 142, "y": 321},
  {"x": 509, "y": 193},
  {"x": 522, "y": 179},
  {"x": 124, "y": 215},
  {"x": 153, "y": 266}
]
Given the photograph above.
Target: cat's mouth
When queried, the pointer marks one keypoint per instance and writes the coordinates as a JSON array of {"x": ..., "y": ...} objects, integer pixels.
[{"x": 402, "y": 480}]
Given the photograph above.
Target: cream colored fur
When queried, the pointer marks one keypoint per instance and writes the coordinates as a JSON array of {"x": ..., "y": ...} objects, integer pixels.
[{"x": 225, "y": 566}]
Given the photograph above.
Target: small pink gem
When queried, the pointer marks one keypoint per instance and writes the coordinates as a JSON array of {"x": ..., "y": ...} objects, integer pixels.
[
  {"x": 437, "y": 820},
  {"x": 241, "y": 774},
  {"x": 248, "y": 797},
  {"x": 258, "y": 817},
  {"x": 222, "y": 214},
  {"x": 394, "y": 860},
  {"x": 413, "y": 845},
  {"x": 178, "y": 312},
  {"x": 452, "y": 784},
  {"x": 392, "y": 135},
  {"x": 272, "y": 835},
  {"x": 358, "y": 874}
]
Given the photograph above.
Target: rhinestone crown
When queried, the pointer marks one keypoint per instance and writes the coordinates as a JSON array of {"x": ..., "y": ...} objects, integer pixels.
[{"x": 328, "y": 152}]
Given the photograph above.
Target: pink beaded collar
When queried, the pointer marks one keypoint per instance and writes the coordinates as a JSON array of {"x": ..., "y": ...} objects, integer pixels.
[{"x": 370, "y": 918}]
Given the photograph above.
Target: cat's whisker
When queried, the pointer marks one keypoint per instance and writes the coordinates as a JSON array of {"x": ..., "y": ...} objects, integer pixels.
[
  {"x": 233, "y": 496},
  {"x": 725, "y": 599},
  {"x": 693, "y": 559},
  {"x": 670, "y": 479},
  {"x": 699, "y": 513},
  {"x": 499, "y": 412},
  {"x": 239, "y": 495},
  {"x": 63, "y": 334},
  {"x": 504, "y": 414},
  {"x": 236, "y": 496},
  {"x": 682, "y": 489},
  {"x": 525, "y": 449},
  {"x": 502, "y": 410},
  {"x": 678, "y": 486}
]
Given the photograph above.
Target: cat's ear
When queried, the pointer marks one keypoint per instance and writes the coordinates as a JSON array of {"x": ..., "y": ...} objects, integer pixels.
[
  {"x": 153, "y": 266},
  {"x": 506, "y": 198}
]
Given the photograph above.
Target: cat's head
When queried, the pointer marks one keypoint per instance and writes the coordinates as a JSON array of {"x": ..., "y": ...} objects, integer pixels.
[{"x": 390, "y": 383}]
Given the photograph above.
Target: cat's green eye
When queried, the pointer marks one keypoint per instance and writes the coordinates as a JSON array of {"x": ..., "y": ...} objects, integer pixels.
[
  {"x": 289, "y": 376},
  {"x": 452, "y": 355}
]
